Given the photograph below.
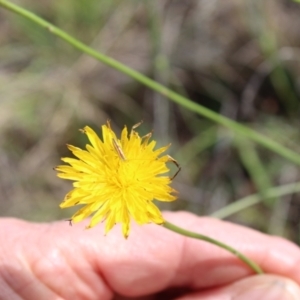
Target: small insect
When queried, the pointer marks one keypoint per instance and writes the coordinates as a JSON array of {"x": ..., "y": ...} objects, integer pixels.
[
  {"x": 119, "y": 149},
  {"x": 70, "y": 222},
  {"x": 145, "y": 139},
  {"x": 171, "y": 159}
]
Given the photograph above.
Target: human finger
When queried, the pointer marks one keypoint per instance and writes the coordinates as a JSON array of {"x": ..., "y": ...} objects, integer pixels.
[{"x": 266, "y": 287}]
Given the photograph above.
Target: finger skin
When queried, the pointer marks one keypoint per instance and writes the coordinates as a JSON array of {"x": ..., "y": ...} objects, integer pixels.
[
  {"x": 265, "y": 286},
  {"x": 68, "y": 262}
]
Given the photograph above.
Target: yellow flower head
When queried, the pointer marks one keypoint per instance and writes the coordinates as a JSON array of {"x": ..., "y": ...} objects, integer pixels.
[{"x": 116, "y": 179}]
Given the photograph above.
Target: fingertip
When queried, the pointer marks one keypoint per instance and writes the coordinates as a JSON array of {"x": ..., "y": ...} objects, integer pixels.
[{"x": 267, "y": 287}]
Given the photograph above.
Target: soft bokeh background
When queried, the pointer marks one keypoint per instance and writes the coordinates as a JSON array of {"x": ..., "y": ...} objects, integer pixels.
[{"x": 238, "y": 58}]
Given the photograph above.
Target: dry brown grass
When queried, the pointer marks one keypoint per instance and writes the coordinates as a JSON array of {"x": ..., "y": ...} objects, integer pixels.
[{"x": 237, "y": 58}]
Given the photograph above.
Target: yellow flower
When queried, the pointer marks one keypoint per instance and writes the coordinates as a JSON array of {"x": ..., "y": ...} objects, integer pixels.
[{"x": 116, "y": 179}]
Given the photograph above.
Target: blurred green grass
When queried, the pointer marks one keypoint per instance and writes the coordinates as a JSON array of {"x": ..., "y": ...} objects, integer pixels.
[{"x": 239, "y": 59}]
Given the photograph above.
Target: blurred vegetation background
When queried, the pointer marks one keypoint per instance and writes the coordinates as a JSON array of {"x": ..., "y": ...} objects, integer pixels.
[{"x": 238, "y": 58}]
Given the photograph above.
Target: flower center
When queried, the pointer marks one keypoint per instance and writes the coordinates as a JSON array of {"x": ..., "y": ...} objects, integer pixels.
[{"x": 126, "y": 174}]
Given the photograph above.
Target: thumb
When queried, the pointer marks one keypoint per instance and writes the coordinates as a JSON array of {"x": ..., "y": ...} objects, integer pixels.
[{"x": 262, "y": 287}]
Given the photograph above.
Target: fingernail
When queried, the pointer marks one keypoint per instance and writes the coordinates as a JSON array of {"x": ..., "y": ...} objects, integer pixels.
[{"x": 274, "y": 290}]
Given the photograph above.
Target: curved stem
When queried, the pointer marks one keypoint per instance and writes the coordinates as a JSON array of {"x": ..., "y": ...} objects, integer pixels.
[
  {"x": 198, "y": 236},
  {"x": 181, "y": 100}
]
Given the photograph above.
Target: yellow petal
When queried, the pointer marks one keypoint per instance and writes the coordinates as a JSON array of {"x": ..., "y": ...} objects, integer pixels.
[{"x": 117, "y": 179}]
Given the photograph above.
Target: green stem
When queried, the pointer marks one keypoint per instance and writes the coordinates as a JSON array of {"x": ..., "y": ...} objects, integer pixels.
[
  {"x": 183, "y": 101},
  {"x": 248, "y": 201},
  {"x": 198, "y": 236}
]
